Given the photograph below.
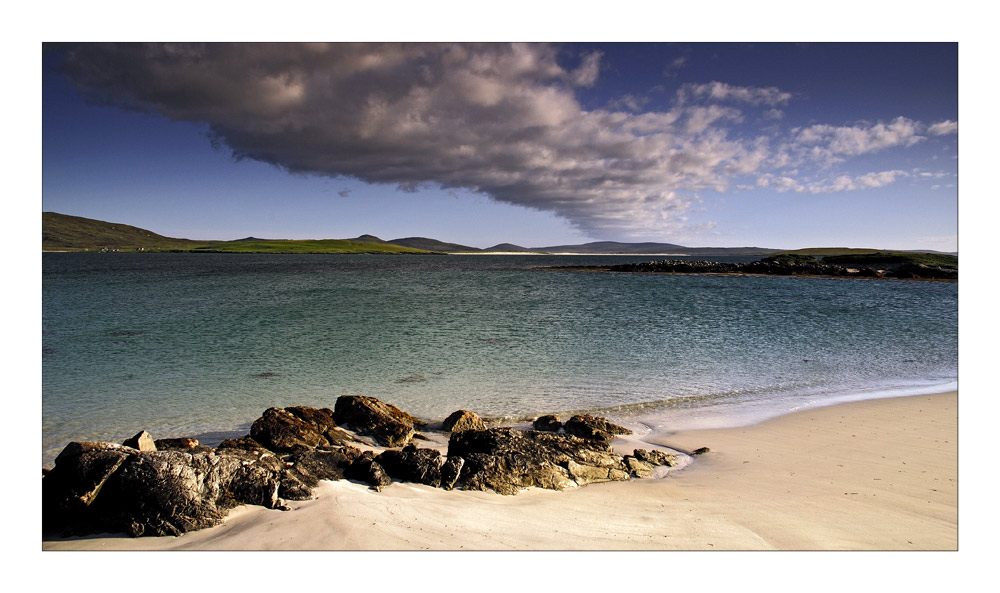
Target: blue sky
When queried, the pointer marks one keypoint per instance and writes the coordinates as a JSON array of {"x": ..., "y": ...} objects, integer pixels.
[{"x": 781, "y": 145}]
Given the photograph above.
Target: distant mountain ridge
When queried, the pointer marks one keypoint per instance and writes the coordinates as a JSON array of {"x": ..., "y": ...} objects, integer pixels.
[{"x": 62, "y": 232}]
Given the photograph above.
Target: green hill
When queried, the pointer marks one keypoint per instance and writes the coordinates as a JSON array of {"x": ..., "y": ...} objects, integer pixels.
[
  {"x": 61, "y": 232},
  {"x": 305, "y": 246}
]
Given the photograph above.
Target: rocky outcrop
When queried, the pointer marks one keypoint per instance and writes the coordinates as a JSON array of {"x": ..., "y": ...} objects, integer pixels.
[
  {"x": 387, "y": 424},
  {"x": 507, "y": 460},
  {"x": 463, "y": 420},
  {"x": 593, "y": 427},
  {"x": 171, "y": 486}
]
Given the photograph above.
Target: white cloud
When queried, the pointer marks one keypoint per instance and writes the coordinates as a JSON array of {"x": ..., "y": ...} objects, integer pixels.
[
  {"x": 943, "y": 127},
  {"x": 722, "y": 92}
]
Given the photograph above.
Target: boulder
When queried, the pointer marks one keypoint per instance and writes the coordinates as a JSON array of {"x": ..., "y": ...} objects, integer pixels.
[
  {"x": 246, "y": 443},
  {"x": 422, "y": 466},
  {"x": 547, "y": 423},
  {"x": 101, "y": 487},
  {"x": 297, "y": 427},
  {"x": 463, "y": 420},
  {"x": 142, "y": 441},
  {"x": 591, "y": 427},
  {"x": 390, "y": 426},
  {"x": 507, "y": 460}
]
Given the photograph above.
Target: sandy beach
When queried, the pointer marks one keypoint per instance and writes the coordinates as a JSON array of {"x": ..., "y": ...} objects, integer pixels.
[{"x": 869, "y": 475}]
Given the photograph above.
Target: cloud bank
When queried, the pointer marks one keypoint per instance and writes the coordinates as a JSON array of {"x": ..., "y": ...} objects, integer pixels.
[{"x": 501, "y": 119}]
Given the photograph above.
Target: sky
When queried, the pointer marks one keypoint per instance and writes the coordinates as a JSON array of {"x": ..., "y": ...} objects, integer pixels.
[{"x": 783, "y": 145}]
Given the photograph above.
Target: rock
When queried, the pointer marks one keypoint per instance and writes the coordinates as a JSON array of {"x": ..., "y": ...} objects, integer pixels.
[
  {"x": 366, "y": 469},
  {"x": 389, "y": 425},
  {"x": 188, "y": 445},
  {"x": 306, "y": 468},
  {"x": 450, "y": 471},
  {"x": 655, "y": 457},
  {"x": 142, "y": 441},
  {"x": 422, "y": 466},
  {"x": 639, "y": 469},
  {"x": 547, "y": 423},
  {"x": 700, "y": 451},
  {"x": 507, "y": 460},
  {"x": 590, "y": 427},
  {"x": 289, "y": 429},
  {"x": 463, "y": 420},
  {"x": 102, "y": 487},
  {"x": 246, "y": 443}
]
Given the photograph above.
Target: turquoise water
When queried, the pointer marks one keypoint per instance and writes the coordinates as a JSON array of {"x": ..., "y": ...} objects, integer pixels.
[{"x": 201, "y": 344}]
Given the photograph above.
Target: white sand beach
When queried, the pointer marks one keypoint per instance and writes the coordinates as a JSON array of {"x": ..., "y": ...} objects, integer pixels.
[{"x": 869, "y": 475}]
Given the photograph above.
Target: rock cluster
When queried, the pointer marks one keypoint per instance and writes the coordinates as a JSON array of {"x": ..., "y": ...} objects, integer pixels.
[
  {"x": 170, "y": 486},
  {"x": 788, "y": 267}
]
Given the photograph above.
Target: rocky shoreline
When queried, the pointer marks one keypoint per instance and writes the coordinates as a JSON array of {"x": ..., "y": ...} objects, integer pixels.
[
  {"x": 147, "y": 487},
  {"x": 781, "y": 266}
]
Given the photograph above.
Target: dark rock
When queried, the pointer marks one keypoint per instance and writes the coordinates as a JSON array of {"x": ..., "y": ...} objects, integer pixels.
[
  {"x": 246, "y": 443},
  {"x": 590, "y": 427},
  {"x": 463, "y": 420},
  {"x": 306, "y": 468},
  {"x": 422, "y": 466},
  {"x": 389, "y": 425},
  {"x": 366, "y": 469},
  {"x": 102, "y": 487},
  {"x": 142, "y": 441},
  {"x": 700, "y": 451},
  {"x": 507, "y": 460},
  {"x": 450, "y": 471},
  {"x": 547, "y": 423},
  {"x": 188, "y": 445},
  {"x": 655, "y": 457},
  {"x": 297, "y": 427}
]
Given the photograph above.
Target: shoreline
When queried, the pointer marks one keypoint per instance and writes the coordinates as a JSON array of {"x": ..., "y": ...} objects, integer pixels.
[{"x": 875, "y": 474}]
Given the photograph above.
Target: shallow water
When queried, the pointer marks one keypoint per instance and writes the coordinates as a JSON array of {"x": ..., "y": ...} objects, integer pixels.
[{"x": 201, "y": 344}]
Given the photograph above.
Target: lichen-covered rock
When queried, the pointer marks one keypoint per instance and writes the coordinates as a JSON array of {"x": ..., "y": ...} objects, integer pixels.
[
  {"x": 389, "y": 425},
  {"x": 142, "y": 441},
  {"x": 591, "y": 427},
  {"x": 422, "y": 466},
  {"x": 463, "y": 420},
  {"x": 547, "y": 423},
  {"x": 507, "y": 460}
]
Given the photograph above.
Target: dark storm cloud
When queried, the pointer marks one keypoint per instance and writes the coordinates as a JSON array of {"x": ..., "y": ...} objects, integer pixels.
[{"x": 494, "y": 118}]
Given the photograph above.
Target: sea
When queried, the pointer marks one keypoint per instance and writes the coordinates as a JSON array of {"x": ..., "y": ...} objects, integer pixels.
[{"x": 201, "y": 344}]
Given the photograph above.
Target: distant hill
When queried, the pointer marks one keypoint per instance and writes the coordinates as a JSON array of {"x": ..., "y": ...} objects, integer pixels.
[
  {"x": 507, "y": 247},
  {"x": 61, "y": 232},
  {"x": 432, "y": 245},
  {"x": 615, "y": 247}
]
